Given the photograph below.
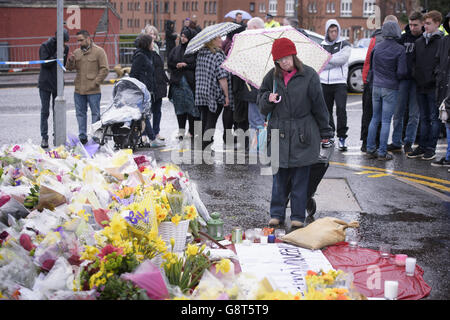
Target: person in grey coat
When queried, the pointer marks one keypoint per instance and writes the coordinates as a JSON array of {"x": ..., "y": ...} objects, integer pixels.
[{"x": 292, "y": 94}]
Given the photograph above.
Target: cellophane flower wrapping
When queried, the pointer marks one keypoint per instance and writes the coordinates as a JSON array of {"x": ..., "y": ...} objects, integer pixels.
[{"x": 148, "y": 277}]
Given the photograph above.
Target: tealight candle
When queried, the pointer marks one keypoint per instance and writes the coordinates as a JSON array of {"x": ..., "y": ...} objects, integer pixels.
[
  {"x": 400, "y": 259},
  {"x": 390, "y": 290}
]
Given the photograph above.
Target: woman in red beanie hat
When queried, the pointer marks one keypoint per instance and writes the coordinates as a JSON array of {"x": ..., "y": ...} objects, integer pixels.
[{"x": 291, "y": 93}]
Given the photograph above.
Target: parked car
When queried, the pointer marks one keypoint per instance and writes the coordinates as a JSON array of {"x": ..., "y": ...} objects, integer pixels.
[{"x": 355, "y": 63}]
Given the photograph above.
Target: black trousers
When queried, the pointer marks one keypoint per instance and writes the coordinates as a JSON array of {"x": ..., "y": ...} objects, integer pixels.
[
  {"x": 337, "y": 93},
  {"x": 367, "y": 112},
  {"x": 209, "y": 120},
  {"x": 182, "y": 118}
]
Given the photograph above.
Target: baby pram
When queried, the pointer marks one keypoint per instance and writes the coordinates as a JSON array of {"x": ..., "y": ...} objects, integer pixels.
[{"x": 124, "y": 118}]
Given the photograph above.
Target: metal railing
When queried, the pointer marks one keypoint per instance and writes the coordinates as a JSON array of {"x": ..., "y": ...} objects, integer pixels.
[{"x": 27, "y": 49}]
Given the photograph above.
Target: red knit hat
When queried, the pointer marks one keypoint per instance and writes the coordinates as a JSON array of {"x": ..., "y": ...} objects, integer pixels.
[{"x": 283, "y": 47}]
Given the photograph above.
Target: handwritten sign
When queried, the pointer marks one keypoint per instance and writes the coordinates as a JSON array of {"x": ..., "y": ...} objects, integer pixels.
[{"x": 283, "y": 264}]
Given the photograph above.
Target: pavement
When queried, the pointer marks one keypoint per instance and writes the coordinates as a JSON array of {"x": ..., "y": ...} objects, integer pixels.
[{"x": 30, "y": 79}]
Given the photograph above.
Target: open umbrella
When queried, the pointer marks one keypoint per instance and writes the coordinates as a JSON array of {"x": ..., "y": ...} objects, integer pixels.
[
  {"x": 250, "y": 56},
  {"x": 209, "y": 33},
  {"x": 232, "y": 14}
]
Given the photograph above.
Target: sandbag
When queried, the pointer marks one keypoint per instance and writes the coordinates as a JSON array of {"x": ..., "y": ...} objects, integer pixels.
[{"x": 320, "y": 233}]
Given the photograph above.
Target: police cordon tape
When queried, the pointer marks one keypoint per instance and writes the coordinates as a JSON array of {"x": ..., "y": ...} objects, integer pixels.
[{"x": 58, "y": 61}]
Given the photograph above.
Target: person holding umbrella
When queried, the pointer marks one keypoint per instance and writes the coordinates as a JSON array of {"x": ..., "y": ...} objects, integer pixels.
[
  {"x": 291, "y": 94},
  {"x": 213, "y": 89}
]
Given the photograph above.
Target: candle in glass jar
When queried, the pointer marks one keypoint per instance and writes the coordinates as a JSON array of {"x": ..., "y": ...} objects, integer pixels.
[{"x": 390, "y": 290}]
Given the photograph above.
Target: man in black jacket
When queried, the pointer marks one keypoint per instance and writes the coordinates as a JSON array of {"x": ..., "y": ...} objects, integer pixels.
[
  {"x": 407, "y": 91},
  {"x": 424, "y": 62},
  {"x": 47, "y": 81}
]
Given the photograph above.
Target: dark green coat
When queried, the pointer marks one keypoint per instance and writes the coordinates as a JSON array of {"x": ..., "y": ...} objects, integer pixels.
[{"x": 301, "y": 117}]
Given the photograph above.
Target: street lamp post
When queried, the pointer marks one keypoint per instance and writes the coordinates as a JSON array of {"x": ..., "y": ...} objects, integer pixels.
[{"x": 59, "y": 112}]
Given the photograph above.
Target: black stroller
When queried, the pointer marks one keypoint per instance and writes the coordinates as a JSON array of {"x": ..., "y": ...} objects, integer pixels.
[{"x": 124, "y": 118}]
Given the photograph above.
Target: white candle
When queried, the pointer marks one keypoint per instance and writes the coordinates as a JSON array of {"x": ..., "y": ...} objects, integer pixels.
[
  {"x": 410, "y": 266},
  {"x": 390, "y": 290},
  {"x": 263, "y": 239}
]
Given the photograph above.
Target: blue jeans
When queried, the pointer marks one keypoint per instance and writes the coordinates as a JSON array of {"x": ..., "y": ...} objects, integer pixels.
[
  {"x": 81, "y": 104},
  {"x": 429, "y": 121},
  {"x": 255, "y": 118},
  {"x": 292, "y": 183},
  {"x": 156, "y": 111},
  {"x": 406, "y": 97},
  {"x": 149, "y": 130},
  {"x": 383, "y": 101},
  {"x": 45, "y": 110}
]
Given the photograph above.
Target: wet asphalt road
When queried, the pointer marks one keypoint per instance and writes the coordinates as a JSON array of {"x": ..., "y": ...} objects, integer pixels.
[{"x": 403, "y": 202}]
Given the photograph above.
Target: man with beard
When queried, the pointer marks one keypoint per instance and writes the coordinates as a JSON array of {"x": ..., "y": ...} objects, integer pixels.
[{"x": 91, "y": 63}]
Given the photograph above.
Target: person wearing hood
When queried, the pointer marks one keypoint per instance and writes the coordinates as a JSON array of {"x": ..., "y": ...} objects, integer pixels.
[
  {"x": 366, "y": 116},
  {"x": 443, "y": 88},
  {"x": 388, "y": 67},
  {"x": 334, "y": 79},
  {"x": 47, "y": 81},
  {"x": 407, "y": 91},
  {"x": 171, "y": 37},
  {"x": 424, "y": 72},
  {"x": 182, "y": 84},
  {"x": 143, "y": 69}
]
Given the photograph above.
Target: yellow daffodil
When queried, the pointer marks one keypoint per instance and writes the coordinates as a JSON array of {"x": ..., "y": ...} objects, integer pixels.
[
  {"x": 89, "y": 253},
  {"x": 223, "y": 266},
  {"x": 192, "y": 250},
  {"x": 191, "y": 212},
  {"x": 176, "y": 219},
  {"x": 172, "y": 242}
]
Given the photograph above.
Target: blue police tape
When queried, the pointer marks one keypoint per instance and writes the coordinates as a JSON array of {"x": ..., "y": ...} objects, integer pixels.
[{"x": 33, "y": 62}]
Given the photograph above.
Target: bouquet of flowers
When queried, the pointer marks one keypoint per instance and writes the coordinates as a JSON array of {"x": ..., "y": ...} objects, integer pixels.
[{"x": 186, "y": 270}]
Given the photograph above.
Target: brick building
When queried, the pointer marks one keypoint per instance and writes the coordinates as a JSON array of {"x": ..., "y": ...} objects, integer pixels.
[
  {"x": 25, "y": 24},
  {"x": 312, "y": 14}
]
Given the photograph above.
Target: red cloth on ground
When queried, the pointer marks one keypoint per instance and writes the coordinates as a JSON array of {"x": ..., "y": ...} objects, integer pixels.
[{"x": 366, "y": 263}]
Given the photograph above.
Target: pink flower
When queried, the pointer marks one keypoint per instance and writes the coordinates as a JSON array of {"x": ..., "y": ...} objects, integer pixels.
[
  {"x": 16, "y": 148},
  {"x": 47, "y": 265},
  {"x": 26, "y": 243},
  {"x": 108, "y": 249}
]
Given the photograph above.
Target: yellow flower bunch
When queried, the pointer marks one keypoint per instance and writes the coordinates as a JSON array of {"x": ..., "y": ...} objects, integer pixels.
[
  {"x": 125, "y": 192},
  {"x": 191, "y": 212},
  {"x": 279, "y": 295},
  {"x": 89, "y": 253},
  {"x": 322, "y": 279},
  {"x": 327, "y": 294},
  {"x": 223, "y": 266}
]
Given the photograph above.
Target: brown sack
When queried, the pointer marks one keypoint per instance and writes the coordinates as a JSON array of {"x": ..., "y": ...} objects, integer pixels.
[{"x": 321, "y": 233}]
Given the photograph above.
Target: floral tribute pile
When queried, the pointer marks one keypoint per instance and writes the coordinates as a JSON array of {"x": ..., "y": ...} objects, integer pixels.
[{"x": 83, "y": 222}]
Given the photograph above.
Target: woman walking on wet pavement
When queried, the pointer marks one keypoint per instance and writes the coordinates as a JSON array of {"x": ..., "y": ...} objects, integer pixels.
[
  {"x": 291, "y": 95},
  {"x": 182, "y": 85},
  {"x": 213, "y": 90}
]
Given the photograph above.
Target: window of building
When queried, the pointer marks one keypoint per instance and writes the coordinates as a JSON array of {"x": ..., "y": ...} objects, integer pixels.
[
  {"x": 175, "y": 7},
  {"x": 150, "y": 7},
  {"x": 252, "y": 7},
  {"x": 215, "y": 7},
  {"x": 368, "y": 8},
  {"x": 137, "y": 6},
  {"x": 312, "y": 7},
  {"x": 205, "y": 11},
  {"x": 346, "y": 8},
  {"x": 330, "y": 7},
  {"x": 345, "y": 33},
  {"x": 121, "y": 24},
  {"x": 273, "y": 7},
  {"x": 121, "y": 7},
  {"x": 166, "y": 7},
  {"x": 262, "y": 7},
  {"x": 400, "y": 6},
  {"x": 289, "y": 8}
]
